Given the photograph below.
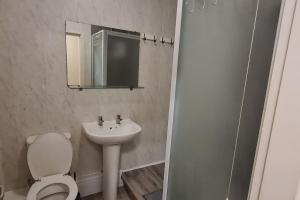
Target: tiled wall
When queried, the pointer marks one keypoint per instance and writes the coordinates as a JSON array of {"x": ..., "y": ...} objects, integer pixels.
[{"x": 34, "y": 96}]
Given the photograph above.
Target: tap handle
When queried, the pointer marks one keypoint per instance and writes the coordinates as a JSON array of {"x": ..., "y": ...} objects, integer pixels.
[
  {"x": 100, "y": 118},
  {"x": 119, "y": 117}
]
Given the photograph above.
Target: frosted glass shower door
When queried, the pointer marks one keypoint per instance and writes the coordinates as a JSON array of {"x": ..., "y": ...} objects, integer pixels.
[{"x": 214, "y": 52}]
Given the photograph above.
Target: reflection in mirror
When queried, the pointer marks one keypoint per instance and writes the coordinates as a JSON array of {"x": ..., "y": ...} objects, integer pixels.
[{"x": 101, "y": 57}]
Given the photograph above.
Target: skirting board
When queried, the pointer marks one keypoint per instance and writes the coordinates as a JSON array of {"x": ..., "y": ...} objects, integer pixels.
[{"x": 92, "y": 183}]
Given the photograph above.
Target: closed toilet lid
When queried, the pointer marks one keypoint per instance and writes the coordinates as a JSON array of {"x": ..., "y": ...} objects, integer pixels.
[{"x": 49, "y": 154}]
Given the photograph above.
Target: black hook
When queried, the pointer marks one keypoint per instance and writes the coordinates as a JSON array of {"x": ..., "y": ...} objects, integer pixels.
[
  {"x": 162, "y": 40},
  {"x": 144, "y": 38},
  {"x": 154, "y": 39}
]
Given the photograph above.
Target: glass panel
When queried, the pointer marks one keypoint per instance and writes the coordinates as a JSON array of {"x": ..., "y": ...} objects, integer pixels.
[
  {"x": 214, "y": 50},
  {"x": 263, "y": 44}
]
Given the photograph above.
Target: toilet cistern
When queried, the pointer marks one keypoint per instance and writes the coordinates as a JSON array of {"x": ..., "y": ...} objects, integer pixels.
[{"x": 111, "y": 135}]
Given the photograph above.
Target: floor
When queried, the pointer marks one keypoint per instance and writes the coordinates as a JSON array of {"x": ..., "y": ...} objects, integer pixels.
[
  {"x": 143, "y": 181},
  {"x": 137, "y": 183},
  {"x": 19, "y": 194},
  {"x": 122, "y": 195}
]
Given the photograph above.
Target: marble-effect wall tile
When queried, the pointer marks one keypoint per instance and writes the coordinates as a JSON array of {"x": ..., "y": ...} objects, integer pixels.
[{"x": 34, "y": 96}]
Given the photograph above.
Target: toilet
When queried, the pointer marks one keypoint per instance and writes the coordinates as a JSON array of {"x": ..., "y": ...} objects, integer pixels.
[{"x": 49, "y": 158}]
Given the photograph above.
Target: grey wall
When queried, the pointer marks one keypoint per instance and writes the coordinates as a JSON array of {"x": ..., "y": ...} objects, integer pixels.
[
  {"x": 34, "y": 95},
  {"x": 263, "y": 44}
]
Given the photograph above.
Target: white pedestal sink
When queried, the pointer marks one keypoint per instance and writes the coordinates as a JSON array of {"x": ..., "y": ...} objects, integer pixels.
[{"x": 111, "y": 136}]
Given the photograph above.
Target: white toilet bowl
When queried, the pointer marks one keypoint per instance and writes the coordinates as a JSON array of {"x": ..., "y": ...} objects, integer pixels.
[{"x": 49, "y": 159}]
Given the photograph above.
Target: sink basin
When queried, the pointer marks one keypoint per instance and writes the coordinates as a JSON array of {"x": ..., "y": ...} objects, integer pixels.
[{"x": 112, "y": 133}]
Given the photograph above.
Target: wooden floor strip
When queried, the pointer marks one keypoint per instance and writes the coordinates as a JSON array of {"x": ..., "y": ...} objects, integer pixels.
[
  {"x": 122, "y": 195},
  {"x": 143, "y": 181}
]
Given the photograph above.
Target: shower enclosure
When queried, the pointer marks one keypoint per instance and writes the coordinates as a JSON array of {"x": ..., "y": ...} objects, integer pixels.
[{"x": 218, "y": 91}]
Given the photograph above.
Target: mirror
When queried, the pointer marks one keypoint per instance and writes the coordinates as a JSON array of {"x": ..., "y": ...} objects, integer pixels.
[{"x": 101, "y": 57}]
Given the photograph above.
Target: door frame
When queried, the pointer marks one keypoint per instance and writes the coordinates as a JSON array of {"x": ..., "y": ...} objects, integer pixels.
[
  {"x": 274, "y": 83},
  {"x": 172, "y": 96}
]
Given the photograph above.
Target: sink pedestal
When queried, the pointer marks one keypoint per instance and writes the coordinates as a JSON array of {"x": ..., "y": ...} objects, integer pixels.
[
  {"x": 111, "y": 159},
  {"x": 111, "y": 135}
]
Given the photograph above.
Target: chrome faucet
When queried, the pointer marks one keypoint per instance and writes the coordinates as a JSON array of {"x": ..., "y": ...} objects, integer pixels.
[
  {"x": 118, "y": 119},
  {"x": 100, "y": 121}
]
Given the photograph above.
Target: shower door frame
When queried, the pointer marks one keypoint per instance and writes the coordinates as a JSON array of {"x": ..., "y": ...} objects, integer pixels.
[{"x": 279, "y": 54}]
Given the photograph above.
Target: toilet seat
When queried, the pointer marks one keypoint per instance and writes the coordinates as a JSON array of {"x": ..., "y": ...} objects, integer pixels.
[
  {"x": 66, "y": 180},
  {"x": 49, "y": 158}
]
